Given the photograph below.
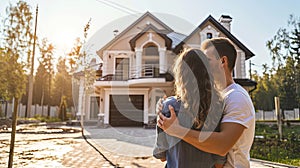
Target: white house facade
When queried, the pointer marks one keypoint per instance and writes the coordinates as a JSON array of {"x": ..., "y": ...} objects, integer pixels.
[{"x": 136, "y": 69}]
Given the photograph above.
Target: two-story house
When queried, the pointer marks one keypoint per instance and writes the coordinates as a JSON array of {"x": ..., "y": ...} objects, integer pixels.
[{"x": 136, "y": 69}]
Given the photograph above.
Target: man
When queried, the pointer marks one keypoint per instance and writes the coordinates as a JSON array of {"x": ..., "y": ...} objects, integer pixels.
[{"x": 238, "y": 122}]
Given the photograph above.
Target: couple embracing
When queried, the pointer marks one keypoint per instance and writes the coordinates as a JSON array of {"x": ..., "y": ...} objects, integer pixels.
[{"x": 210, "y": 122}]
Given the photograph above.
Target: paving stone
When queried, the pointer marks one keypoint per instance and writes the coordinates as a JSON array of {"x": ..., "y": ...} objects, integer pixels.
[{"x": 70, "y": 150}]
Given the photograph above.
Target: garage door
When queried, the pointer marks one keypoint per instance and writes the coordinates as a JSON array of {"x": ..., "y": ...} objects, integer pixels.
[{"x": 126, "y": 110}]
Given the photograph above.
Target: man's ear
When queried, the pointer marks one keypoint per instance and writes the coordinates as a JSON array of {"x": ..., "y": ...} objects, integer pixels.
[{"x": 223, "y": 59}]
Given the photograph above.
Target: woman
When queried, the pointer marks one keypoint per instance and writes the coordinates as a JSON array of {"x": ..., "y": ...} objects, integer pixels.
[{"x": 195, "y": 105}]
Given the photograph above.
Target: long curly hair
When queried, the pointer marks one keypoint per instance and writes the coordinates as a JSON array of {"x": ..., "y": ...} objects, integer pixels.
[{"x": 194, "y": 84}]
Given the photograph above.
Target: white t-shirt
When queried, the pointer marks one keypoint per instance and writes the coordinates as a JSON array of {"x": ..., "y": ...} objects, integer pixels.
[{"x": 239, "y": 109}]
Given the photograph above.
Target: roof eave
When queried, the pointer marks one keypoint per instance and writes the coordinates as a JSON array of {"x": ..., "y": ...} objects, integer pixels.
[
  {"x": 248, "y": 53},
  {"x": 132, "y": 25}
]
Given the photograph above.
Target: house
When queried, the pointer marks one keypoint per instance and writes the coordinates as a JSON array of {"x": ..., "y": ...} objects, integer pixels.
[{"x": 136, "y": 69}]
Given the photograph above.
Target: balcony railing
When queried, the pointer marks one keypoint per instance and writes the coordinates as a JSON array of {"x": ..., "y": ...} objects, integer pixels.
[
  {"x": 135, "y": 72},
  {"x": 144, "y": 71}
]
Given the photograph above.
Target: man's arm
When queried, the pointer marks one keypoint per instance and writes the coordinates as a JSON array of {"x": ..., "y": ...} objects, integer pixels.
[{"x": 214, "y": 142}]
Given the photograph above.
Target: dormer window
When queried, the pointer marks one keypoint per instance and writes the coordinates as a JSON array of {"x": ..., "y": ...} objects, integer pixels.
[
  {"x": 150, "y": 50},
  {"x": 208, "y": 32},
  {"x": 209, "y": 35}
]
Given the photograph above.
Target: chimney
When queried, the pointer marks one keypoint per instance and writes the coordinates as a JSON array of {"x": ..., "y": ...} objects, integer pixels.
[{"x": 225, "y": 21}]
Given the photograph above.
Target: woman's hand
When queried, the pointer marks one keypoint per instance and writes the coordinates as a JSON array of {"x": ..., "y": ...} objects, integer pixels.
[{"x": 169, "y": 125}]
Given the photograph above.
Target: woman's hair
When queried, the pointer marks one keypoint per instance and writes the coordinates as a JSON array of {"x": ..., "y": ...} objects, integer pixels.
[{"x": 193, "y": 84}]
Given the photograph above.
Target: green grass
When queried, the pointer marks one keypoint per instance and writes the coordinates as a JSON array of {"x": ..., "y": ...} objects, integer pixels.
[{"x": 271, "y": 148}]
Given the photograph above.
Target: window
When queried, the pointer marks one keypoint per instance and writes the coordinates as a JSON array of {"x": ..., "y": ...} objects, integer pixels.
[
  {"x": 150, "y": 50},
  {"x": 122, "y": 69},
  {"x": 209, "y": 36}
]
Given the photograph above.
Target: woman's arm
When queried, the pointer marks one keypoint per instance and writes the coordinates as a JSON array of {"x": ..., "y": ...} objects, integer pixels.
[
  {"x": 213, "y": 142},
  {"x": 161, "y": 145}
]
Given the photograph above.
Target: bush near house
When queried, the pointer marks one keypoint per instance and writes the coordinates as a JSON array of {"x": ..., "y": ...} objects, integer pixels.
[{"x": 268, "y": 146}]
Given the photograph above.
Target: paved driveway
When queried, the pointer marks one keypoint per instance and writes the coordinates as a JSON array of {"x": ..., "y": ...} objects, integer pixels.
[{"x": 138, "y": 143}]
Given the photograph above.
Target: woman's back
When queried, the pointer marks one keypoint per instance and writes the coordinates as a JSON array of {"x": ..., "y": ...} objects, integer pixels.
[{"x": 180, "y": 154}]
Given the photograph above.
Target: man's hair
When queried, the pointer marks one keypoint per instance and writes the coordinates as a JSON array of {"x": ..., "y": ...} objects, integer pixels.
[{"x": 224, "y": 47}]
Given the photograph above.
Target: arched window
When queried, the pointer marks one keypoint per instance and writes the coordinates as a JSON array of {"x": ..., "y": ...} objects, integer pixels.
[
  {"x": 150, "y": 50},
  {"x": 209, "y": 35}
]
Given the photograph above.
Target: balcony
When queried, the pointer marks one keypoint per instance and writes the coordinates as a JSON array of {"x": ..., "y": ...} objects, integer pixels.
[
  {"x": 145, "y": 71},
  {"x": 135, "y": 72}
]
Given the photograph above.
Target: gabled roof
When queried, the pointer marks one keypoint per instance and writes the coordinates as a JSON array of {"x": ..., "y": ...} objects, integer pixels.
[
  {"x": 168, "y": 29},
  {"x": 176, "y": 38},
  {"x": 168, "y": 41},
  {"x": 218, "y": 25}
]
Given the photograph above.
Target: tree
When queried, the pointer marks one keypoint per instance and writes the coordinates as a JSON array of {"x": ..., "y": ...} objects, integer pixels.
[
  {"x": 62, "y": 88},
  {"x": 62, "y": 84},
  {"x": 263, "y": 96},
  {"x": 74, "y": 54},
  {"x": 85, "y": 76},
  {"x": 47, "y": 71},
  {"x": 18, "y": 30},
  {"x": 18, "y": 39},
  {"x": 40, "y": 86},
  {"x": 285, "y": 51},
  {"x": 3, "y": 80}
]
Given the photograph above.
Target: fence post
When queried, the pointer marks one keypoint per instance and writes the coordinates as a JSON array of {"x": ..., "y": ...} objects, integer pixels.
[
  {"x": 296, "y": 114},
  {"x": 278, "y": 114}
]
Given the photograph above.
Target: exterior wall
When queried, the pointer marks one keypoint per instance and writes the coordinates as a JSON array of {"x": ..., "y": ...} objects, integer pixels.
[
  {"x": 208, "y": 29},
  {"x": 170, "y": 59},
  {"x": 166, "y": 57},
  {"x": 150, "y": 37},
  {"x": 196, "y": 40},
  {"x": 109, "y": 62},
  {"x": 123, "y": 44},
  {"x": 240, "y": 68}
]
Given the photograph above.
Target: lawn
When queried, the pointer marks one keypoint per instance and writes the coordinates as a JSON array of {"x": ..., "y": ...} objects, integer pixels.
[{"x": 268, "y": 146}]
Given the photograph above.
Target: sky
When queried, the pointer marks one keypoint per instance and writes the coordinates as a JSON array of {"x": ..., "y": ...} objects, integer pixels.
[{"x": 254, "y": 22}]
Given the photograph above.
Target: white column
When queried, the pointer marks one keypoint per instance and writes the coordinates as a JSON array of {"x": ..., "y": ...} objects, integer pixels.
[
  {"x": 138, "y": 61},
  {"x": 106, "y": 108},
  {"x": 162, "y": 60},
  {"x": 146, "y": 101}
]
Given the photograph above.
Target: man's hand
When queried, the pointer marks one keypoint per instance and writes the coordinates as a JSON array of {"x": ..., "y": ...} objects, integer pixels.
[{"x": 169, "y": 125}]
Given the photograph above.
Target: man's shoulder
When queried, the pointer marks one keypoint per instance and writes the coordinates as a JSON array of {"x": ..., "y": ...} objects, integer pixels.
[{"x": 235, "y": 91}]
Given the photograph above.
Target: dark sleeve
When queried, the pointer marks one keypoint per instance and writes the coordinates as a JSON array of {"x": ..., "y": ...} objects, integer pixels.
[
  {"x": 161, "y": 144},
  {"x": 219, "y": 159}
]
